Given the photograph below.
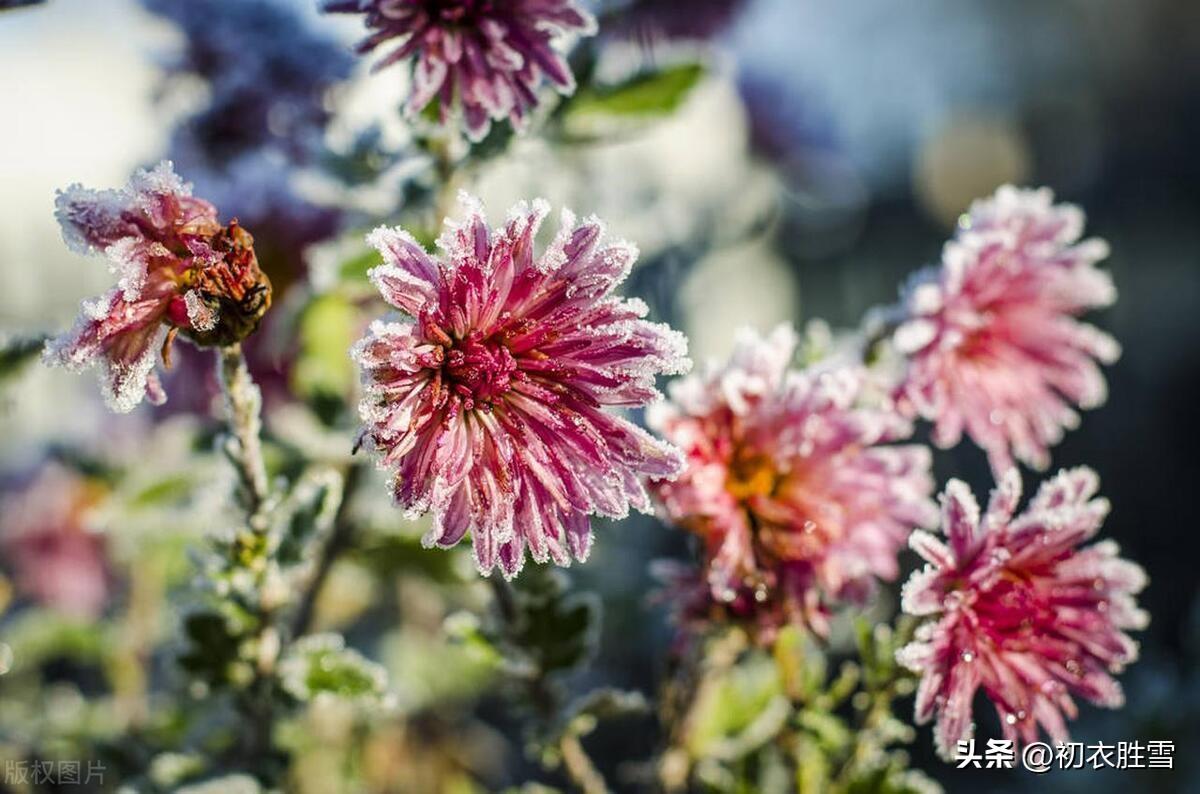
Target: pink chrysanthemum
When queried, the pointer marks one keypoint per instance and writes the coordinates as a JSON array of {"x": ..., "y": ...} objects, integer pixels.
[
  {"x": 56, "y": 559},
  {"x": 179, "y": 271},
  {"x": 488, "y": 57},
  {"x": 787, "y": 482},
  {"x": 1021, "y": 611},
  {"x": 488, "y": 407},
  {"x": 993, "y": 342}
]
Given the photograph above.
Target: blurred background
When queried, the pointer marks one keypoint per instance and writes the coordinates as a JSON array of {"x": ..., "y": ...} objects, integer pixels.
[{"x": 825, "y": 153}]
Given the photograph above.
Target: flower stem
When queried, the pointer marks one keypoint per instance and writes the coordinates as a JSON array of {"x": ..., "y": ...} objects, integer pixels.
[
  {"x": 243, "y": 401},
  {"x": 548, "y": 703}
]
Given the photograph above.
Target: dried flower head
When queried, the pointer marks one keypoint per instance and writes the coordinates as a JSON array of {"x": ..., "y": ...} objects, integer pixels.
[
  {"x": 789, "y": 482},
  {"x": 179, "y": 269},
  {"x": 1020, "y": 610},
  {"x": 488, "y": 406},
  {"x": 487, "y": 57},
  {"x": 55, "y": 556},
  {"x": 994, "y": 346}
]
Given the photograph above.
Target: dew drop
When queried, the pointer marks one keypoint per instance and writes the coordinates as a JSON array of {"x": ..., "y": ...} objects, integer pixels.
[{"x": 967, "y": 656}]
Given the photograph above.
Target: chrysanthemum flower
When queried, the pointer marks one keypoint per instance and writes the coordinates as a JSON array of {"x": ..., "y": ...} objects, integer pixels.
[
  {"x": 488, "y": 57},
  {"x": 180, "y": 270},
  {"x": 993, "y": 342},
  {"x": 55, "y": 557},
  {"x": 488, "y": 406},
  {"x": 1021, "y": 611},
  {"x": 788, "y": 481}
]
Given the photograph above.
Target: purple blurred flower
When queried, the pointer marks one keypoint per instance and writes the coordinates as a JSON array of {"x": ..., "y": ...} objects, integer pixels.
[
  {"x": 56, "y": 559},
  {"x": 268, "y": 72},
  {"x": 487, "y": 57}
]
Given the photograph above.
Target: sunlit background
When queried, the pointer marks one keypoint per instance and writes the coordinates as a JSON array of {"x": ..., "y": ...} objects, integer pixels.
[{"x": 827, "y": 153}]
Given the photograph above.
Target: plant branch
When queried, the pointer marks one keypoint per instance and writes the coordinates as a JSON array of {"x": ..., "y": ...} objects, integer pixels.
[
  {"x": 243, "y": 402},
  {"x": 340, "y": 540},
  {"x": 548, "y": 703}
]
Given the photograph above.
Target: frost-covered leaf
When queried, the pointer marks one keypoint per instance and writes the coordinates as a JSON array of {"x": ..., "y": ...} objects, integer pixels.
[{"x": 321, "y": 664}]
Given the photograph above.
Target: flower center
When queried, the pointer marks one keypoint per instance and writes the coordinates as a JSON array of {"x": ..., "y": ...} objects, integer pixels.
[
  {"x": 751, "y": 476},
  {"x": 479, "y": 371}
]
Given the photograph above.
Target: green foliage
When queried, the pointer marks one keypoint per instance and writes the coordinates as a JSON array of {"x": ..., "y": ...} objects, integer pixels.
[
  {"x": 777, "y": 720},
  {"x": 327, "y": 328},
  {"x": 321, "y": 664},
  {"x": 553, "y": 629},
  {"x": 648, "y": 94},
  {"x": 16, "y": 352}
]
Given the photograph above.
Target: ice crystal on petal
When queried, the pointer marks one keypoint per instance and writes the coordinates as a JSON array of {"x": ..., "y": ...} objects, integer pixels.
[
  {"x": 488, "y": 404},
  {"x": 1020, "y": 610},
  {"x": 790, "y": 483},
  {"x": 993, "y": 344},
  {"x": 487, "y": 59}
]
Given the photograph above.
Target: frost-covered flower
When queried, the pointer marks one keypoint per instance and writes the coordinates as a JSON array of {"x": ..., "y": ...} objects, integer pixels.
[
  {"x": 488, "y": 406},
  {"x": 1020, "y": 610},
  {"x": 179, "y": 270},
  {"x": 789, "y": 481},
  {"x": 488, "y": 57},
  {"x": 994, "y": 346},
  {"x": 55, "y": 557}
]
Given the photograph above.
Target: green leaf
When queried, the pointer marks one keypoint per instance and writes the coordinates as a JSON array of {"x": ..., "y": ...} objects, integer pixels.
[
  {"x": 603, "y": 704},
  {"x": 16, "y": 352},
  {"x": 322, "y": 664},
  {"x": 355, "y": 268},
  {"x": 308, "y": 512},
  {"x": 211, "y": 648},
  {"x": 646, "y": 95},
  {"x": 557, "y": 629}
]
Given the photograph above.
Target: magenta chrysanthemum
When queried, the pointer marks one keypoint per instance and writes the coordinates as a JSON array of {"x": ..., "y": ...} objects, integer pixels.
[
  {"x": 1021, "y": 611},
  {"x": 179, "y": 269},
  {"x": 488, "y": 406},
  {"x": 488, "y": 57},
  {"x": 993, "y": 342},
  {"x": 54, "y": 556},
  {"x": 787, "y": 482}
]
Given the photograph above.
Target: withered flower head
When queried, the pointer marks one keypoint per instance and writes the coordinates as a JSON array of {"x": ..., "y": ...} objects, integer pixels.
[{"x": 180, "y": 271}]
